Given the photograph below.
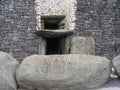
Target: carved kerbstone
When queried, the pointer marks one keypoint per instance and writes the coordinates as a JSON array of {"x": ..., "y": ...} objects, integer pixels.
[{"x": 63, "y": 71}]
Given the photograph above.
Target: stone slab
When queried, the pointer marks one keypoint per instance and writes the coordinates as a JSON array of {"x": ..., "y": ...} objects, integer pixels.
[
  {"x": 54, "y": 33},
  {"x": 82, "y": 45}
]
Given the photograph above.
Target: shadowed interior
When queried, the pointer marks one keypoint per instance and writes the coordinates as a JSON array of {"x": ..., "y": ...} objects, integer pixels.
[{"x": 53, "y": 46}]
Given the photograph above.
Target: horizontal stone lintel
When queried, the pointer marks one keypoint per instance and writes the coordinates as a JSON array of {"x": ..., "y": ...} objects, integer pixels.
[{"x": 54, "y": 33}]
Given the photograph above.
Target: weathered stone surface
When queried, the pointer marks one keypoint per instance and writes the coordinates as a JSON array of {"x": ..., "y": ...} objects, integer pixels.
[
  {"x": 63, "y": 71},
  {"x": 82, "y": 45},
  {"x": 116, "y": 64},
  {"x": 66, "y": 44},
  {"x": 42, "y": 46},
  {"x": 8, "y": 67},
  {"x": 90, "y": 21},
  {"x": 54, "y": 33},
  {"x": 19, "y": 19}
]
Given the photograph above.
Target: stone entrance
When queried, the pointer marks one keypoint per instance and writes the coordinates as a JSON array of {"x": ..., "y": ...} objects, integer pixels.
[
  {"x": 54, "y": 35},
  {"x": 54, "y": 41},
  {"x": 54, "y": 46}
]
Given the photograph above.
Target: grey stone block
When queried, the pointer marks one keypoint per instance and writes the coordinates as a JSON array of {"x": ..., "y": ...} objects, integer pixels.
[
  {"x": 8, "y": 67},
  {"x": 82, "y": 45},
  {"x": 63, "y": 71}
]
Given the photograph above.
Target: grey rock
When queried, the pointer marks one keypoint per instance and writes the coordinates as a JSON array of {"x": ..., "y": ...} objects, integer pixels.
[
  {"x": 66, "y": 42},
  {"x": 63, "y": 71},
  {"x": 116, "y": 64},
  {"x": 42, "y": 46},
  {"x": 82, "y": 45},
  {"x": 8, "y": 67},
  {"x": 54, "y": 33}
]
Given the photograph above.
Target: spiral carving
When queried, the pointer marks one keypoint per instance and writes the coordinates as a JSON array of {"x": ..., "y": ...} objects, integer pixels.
[{"x": 43, "y": 67}]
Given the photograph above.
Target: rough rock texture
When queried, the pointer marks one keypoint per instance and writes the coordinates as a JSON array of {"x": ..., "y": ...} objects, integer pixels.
[
  {"x": 113, "y": 84},
  {"x": 17, "y": 25},
  {"x": 54, "y": 33},
  {"x": 19, "y": 19},
  {"x": 82, "y": 45},
  {"x": 8, "y": 67},
  {"x": 116, "y": 64},
  {"x": 63, "y": 71},
  {"x": 66, "y": 45},
  {"x": 56, "y": 8},
  {"x": 100, "y": 19}
]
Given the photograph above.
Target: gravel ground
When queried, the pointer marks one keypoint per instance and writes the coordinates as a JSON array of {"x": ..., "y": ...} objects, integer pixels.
[{"x": 113, "y": 84}]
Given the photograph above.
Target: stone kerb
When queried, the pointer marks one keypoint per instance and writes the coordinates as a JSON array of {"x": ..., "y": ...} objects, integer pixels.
[
  {"x": 63, "y": 71},
  {"x": 116, "y": 65},
  {"x": 8, "y": 66}
]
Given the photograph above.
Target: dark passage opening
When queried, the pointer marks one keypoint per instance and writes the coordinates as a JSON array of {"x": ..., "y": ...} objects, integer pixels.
[
  {"x": 52, "y": 26},
  {"x": 52, "y": 22},
  {"x": 53, "y": 46}
]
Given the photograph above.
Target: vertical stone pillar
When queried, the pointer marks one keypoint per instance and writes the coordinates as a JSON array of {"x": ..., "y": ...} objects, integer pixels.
[{"x": 42, "y": 47}]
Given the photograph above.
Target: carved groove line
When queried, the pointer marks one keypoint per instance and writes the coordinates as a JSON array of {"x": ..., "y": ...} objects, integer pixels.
[{"x": 43, "y": 67}]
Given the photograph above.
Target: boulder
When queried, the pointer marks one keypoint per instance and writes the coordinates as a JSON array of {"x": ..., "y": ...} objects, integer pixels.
[
  {"x": 116, "y": 64},
  {"x": 8, "y": 66},
  {"x": 63, "y": 71},
  {"x": 82, "y": 45}
]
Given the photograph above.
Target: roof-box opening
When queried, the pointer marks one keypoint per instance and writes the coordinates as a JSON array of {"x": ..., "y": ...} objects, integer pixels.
[{"x": 53, "y": 22}]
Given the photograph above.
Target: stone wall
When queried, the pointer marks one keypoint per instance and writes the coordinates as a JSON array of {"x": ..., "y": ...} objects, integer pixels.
[
  {"x": 56, "y": 7},
  {"x": 101, "y": 20},
  {"x": 19, "y": 19},
  {"x": 17, "y": 25}
]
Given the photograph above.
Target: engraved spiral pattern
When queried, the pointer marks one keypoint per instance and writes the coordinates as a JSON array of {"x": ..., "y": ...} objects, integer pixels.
[{"x": 43, "y": 67}]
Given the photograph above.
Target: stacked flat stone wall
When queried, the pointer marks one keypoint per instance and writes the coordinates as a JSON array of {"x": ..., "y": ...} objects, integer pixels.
[
  {"x": 17, "y": 25},
  {"x": 101, "y": 20},
  {"x": 19, "y": 19}
]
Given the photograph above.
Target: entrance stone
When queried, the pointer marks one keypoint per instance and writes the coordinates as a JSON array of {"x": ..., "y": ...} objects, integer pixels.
[{"x": 63, "y": 71}]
